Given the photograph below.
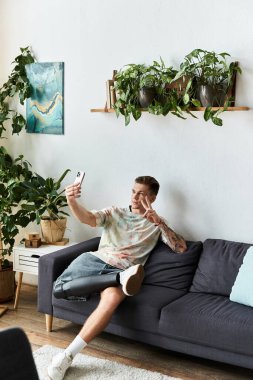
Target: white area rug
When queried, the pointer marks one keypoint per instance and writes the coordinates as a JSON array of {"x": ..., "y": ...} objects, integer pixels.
[{"x": 86, "y": 367}]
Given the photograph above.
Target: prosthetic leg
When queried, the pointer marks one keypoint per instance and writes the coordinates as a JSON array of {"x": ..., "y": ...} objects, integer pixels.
[{"x": 85, "y": 286}]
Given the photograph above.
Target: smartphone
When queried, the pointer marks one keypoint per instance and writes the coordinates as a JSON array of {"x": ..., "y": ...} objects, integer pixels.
[{"x": 79, "y": 177}]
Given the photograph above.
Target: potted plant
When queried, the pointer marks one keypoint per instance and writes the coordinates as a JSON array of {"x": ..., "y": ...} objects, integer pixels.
[
  {"x": 45, "y": 198},
  {"x": 211, "y": 79},
  {"x": 143, "y": 86},
  {"x": 127, "y": 87},
  {"x": 153, "y": 88},
  {"x": 16, "y": 212}
]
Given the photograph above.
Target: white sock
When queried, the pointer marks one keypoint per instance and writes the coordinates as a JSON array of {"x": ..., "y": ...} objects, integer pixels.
[{"x": 76, "y": 346}]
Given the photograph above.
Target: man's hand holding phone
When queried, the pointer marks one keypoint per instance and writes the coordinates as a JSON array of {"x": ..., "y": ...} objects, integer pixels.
[
  {"x": 79, "y": 178},
  {"x": 74, "y": 190}
]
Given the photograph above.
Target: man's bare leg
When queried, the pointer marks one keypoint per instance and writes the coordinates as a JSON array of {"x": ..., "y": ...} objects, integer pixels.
[
  {"x": 101, "y": 316},
  {"x": 95, "y": 324}
]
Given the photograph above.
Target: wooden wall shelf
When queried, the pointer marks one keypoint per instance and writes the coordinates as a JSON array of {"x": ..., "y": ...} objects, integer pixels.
[{"x": 111, "y": 110}]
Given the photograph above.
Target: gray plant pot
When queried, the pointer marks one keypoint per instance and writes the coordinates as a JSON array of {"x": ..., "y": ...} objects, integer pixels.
[
  {"x": 211, "y": 96},
  {"x": 146, "y": 96}
]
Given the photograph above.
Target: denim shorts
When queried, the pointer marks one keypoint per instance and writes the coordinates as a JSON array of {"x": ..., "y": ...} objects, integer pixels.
[{"x": 83, "y": 266}]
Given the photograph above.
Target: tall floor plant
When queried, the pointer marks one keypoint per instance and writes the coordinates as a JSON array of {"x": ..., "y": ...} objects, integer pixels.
[{"x": 13, "y": 171}]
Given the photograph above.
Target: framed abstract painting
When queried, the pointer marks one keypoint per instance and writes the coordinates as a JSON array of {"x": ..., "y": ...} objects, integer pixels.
[{"x": 44, "y": 109}]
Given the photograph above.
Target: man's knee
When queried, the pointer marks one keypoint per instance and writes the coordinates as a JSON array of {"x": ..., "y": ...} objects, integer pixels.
[{"x": 112, "y": 296}]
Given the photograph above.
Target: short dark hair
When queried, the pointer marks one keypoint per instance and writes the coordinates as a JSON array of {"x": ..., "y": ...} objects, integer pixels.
[{"x": 151, "y": 182}]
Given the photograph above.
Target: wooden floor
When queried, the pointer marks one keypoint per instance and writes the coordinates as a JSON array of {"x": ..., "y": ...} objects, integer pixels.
[{"x": 112, "y": 347}]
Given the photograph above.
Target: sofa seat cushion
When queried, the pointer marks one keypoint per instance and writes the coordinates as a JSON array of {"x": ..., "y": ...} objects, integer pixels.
[
  {"x": 172, "y": 270},
  {"x": 218, "y": 266},
  {"x": 209, "y": 320},
  {"x": 141, "y": 312},
  {"x": 74, "y": 311}
]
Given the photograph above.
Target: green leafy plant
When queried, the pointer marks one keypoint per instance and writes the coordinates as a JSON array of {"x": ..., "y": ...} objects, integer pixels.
[
  {"x": 17, "y": 84},
  {"x": 13, "y": 171},
  {"x": 205, "y": 68},
  {"x": 173, "y": 92},
  {"x": 12, "y": 174},
  {"x": 127, "y": 86},
  {"x": 134, "y": 77},
  {"x": 174, "y": 99},
  {"x": 208, "y": 68},
  {"x": 44, "y": 197},
  {"x": 17, "y": 207}
]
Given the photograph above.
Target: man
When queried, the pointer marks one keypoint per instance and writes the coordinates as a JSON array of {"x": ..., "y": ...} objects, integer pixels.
[{"x": 116, "y": 269}]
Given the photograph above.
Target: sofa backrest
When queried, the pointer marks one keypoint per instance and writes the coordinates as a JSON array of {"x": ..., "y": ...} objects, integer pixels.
[
  {"x": 218, "y": 266},
  {"x": 172, "y": 270}
]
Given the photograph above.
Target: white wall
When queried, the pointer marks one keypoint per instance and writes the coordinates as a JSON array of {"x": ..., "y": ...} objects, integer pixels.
[{"x": 205, "y": 171}]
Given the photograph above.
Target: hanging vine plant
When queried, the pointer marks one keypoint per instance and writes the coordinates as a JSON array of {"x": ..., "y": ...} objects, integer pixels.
[
  {"x": 13, "y": 171},
  {"x": 212, "y": 81},
  {"x": 148, "y": 87},
  {"x": 17, "y": 84},
  {"x": 205, "y": 79}
]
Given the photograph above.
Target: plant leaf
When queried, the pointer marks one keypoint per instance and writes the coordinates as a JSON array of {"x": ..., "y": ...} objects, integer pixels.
[
  {"x": 207, "y": 113},
  {"x": 186, "y": 98},
  {"x": 196, "y": 102},
  {"x": 217, "y": 121}
]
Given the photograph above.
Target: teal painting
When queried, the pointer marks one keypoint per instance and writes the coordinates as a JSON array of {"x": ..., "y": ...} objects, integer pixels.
[{"x": 44, "y": 109}]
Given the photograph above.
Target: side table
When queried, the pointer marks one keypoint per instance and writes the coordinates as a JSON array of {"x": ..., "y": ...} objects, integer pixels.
[{"x": 26, "y": 260}]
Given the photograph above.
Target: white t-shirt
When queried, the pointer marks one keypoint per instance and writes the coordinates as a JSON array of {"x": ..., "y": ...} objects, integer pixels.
[{"x": 125, "y": 232}]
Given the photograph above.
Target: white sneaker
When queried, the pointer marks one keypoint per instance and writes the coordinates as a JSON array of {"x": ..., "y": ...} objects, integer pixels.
[
  {"x": 59, "y": 365},
  {"x": 131, "y": 279}
]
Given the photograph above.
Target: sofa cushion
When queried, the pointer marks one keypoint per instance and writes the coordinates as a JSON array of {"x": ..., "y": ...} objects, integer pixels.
[
  {"x": 218, "y": 266},
  {"x": 141, "y": 312},
  {"x": 242, "y": 290},
  {"x": 209, "y": 320},
  {"x": 172, "y": 270}
]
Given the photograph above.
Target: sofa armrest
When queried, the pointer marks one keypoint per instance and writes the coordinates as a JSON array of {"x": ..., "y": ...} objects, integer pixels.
[{"x": 52, "y": 265}]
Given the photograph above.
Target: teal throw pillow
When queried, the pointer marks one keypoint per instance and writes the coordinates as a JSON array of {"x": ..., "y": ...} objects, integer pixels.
[{"x": 242, "y": 290}]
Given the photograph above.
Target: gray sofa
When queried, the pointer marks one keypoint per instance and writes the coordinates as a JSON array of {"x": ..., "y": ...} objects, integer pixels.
[{"x": 183, "y": 304}]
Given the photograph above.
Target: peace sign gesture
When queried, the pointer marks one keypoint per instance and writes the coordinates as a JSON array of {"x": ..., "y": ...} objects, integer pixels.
[{"x": 150, "y": 214}]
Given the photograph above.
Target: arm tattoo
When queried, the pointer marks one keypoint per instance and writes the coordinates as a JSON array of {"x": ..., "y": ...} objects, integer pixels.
[{"x": 174, "y": 241}]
